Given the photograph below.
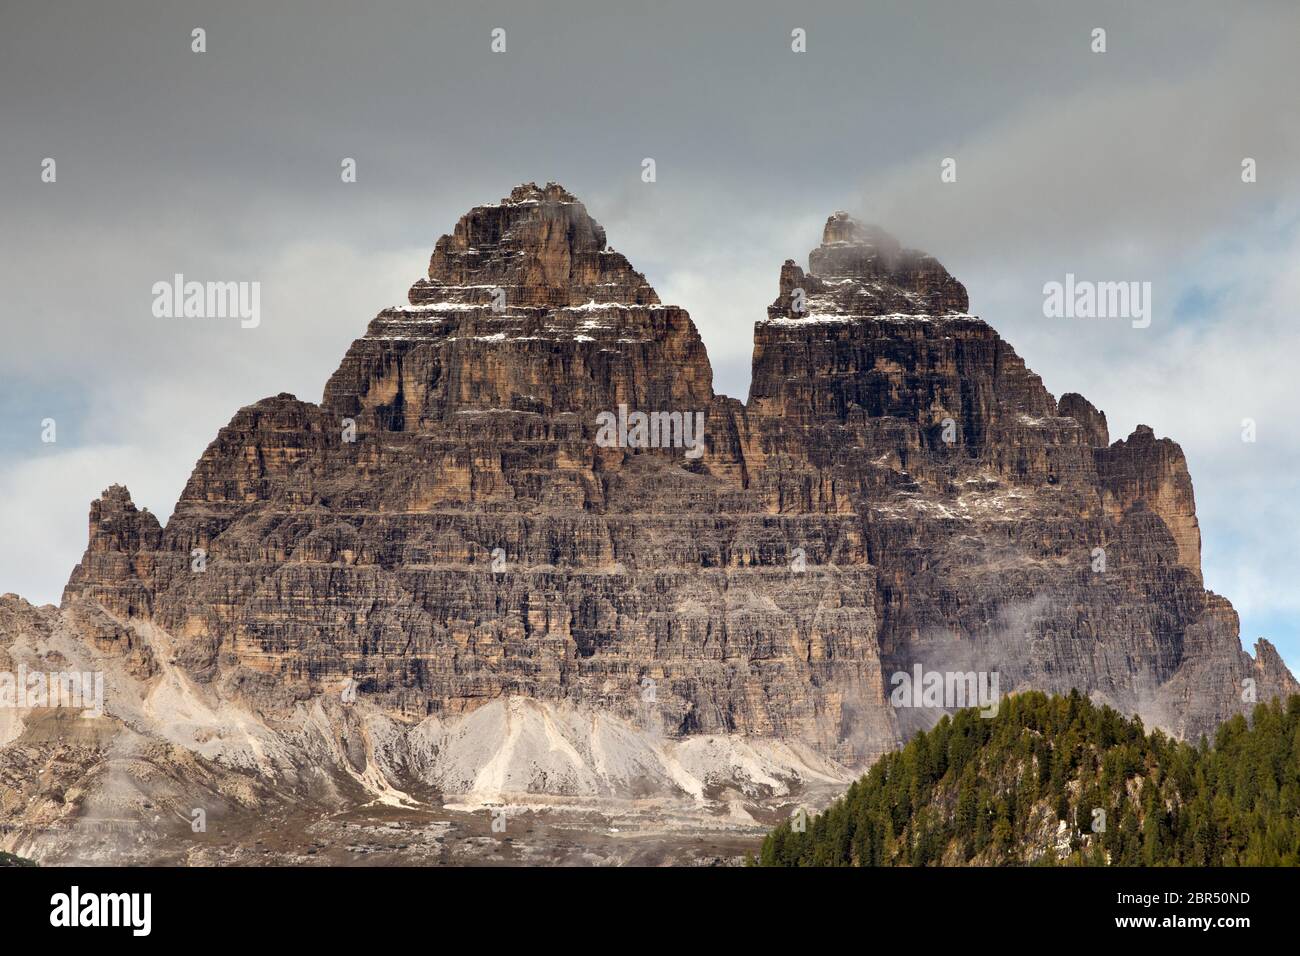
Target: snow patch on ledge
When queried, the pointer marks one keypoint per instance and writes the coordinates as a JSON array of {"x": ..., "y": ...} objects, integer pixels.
[
  {"x": 440, "y": 307},
  {"x": 822, "y": 318},
  {"x": 594, "y": 306}
]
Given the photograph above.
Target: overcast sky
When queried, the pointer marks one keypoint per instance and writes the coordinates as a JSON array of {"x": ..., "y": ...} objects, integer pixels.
[{"x": 1123, "y": 165}]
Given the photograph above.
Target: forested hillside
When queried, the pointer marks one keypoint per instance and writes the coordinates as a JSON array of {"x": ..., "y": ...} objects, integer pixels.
[{"x": 1056, "y": 780}]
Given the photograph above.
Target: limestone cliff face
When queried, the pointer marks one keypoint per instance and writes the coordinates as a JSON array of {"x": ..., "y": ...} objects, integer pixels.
[
  {"x": 445, "y": 528},
  {"x": 1152, "y": 473},
  {"x": 1005, "y": 531}
]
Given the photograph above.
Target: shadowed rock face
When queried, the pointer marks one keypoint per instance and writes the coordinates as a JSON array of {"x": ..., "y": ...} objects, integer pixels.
[{"x": 899, "y": 489}]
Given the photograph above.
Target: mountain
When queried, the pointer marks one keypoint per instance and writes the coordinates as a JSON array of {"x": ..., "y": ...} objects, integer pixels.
[
  {"x": 1057, "y": 780},
  {"x": 522, "y": 552}
]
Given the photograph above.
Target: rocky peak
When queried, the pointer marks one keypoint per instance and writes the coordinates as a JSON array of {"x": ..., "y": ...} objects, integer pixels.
[
  {"x": 1143, "y": 471},
  {"x": 119, "y": 531},
  {"x": 866, "y": 243},
  {"x": 1073, "y": 405},
  {"x": 540, "y": 247},
  {"x": 878, "y": 330},
  {"x": 552, "y": 192},
  {"x": 861, "y": 270},
  {"x": 1271, "y": 667},
  {"x": 525, "y": 309},
  {"x": 116, "y": 522}
]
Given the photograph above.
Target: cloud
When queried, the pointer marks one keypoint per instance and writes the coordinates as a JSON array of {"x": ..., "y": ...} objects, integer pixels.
[{"x": 1116, "y": 171}]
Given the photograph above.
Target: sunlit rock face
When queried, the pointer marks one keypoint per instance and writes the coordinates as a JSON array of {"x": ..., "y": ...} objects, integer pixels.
[{"x": 445, "y": 530}]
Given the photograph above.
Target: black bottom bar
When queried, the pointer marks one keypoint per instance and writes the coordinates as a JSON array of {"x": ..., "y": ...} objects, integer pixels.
[{"x": 326, "y": 905}]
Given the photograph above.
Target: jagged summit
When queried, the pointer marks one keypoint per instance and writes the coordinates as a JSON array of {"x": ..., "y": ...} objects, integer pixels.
[
  {"x": 539, "y": 247},
  {"x": 525, "y": 308},
  {"x": 860, "y": 270},
  {"x": 843, "y": 228},
  {"x": 526, "y": 193}
]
